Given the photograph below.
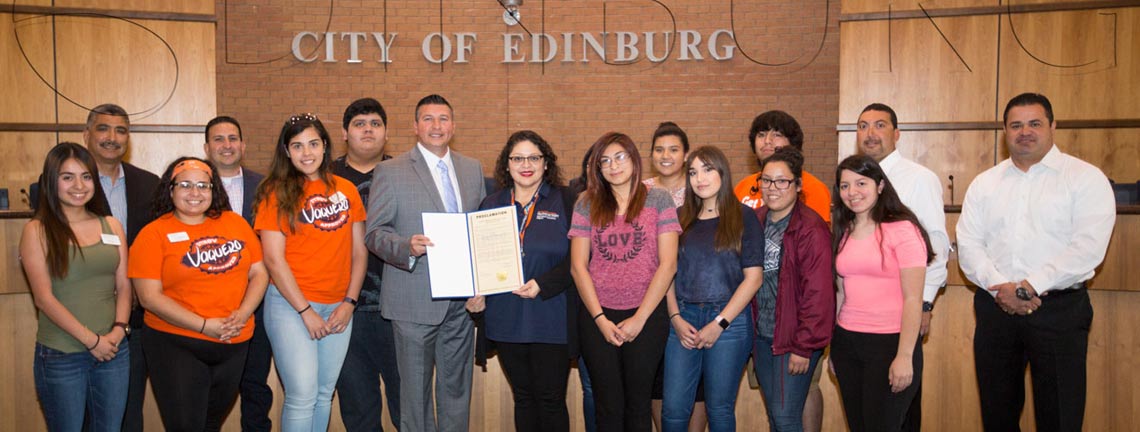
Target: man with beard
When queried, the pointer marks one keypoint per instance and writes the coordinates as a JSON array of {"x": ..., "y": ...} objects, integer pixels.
[
  {"x": 129, "y": 192},
  {"x": 876, "y": 134},
  {"x": 1032, "y": 232}
]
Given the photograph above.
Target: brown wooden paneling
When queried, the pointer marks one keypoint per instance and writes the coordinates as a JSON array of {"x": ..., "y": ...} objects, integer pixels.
[
  {"x": 963, "y": 154},
  {"x": 27, "y": 99},
  {"x": 1114, "y": 151},
  {"x": 180, "y": 6},
  {"x": 861, "y": 10},
  {"x": 1106, "y": 88},
  {"x": 916, "y": 71},
  {"x": 107, "y": 60},
  {"x": 864, "y": 6}
]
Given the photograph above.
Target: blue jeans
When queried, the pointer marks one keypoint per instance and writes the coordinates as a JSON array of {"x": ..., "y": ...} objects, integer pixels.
[
  {"x": 308, "y": 368},
  {"x": 587, "y": 396},
  {"x": 69, "y": 385},
  {"x": 721, "y": 367},
  {"x": 784, "y": 393}
]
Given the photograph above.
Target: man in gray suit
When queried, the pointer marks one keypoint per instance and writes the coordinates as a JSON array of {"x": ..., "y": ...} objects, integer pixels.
[{"x": 432, "y": 336}]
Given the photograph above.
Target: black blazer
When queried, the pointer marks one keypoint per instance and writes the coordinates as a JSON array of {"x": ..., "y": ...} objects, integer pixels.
[
  {"x": 250, "y": 180},
  {"x": 141, "y": 187}
]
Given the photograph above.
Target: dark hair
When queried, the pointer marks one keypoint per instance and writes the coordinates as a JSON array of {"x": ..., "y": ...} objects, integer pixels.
[
  {"x": 163, "y": 203},
  {"x": 670, "y": 129},
  {"x": 788, "y": 155},
  {"x": 1025, "y": 99},
  {"x": 730, "y": 228},
  {"x": 366, "y": 106},
  {"x": 603, "y": 204},
  {"x": 884, "y": 108},
  {"x": 107, "y": 109},
  {"x": 778, "y": 121},
  {"x": 285, "y": 182},
  {"x": 59, "y": 239},
  {"x": 432, "y": 99},
  {"x": 222, "y": 119},
  {"x": 552, "y": 175},
  {"x": 888, "y": 207}
]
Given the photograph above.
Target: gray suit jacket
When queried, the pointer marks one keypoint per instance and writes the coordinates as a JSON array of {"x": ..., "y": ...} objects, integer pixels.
[{"x": 402, "y": 189}]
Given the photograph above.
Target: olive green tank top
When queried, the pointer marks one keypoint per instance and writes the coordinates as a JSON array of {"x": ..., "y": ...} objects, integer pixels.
[{"x": 88, "y": 292}]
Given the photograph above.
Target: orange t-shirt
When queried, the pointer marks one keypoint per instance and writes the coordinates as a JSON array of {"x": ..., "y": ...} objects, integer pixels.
[
  {"x": 816, "y": 195},
  {"x": 204, "y": 267},
  {"x": 320, "y": 253}
]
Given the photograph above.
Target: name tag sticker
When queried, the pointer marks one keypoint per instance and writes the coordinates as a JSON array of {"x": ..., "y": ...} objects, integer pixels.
[
  {"x": 178, "y": 237},
  {"x": 112, "y": 239}
]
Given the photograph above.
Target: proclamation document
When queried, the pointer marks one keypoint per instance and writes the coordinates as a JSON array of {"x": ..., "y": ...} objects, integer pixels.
[{"x": 474, "y": 253}]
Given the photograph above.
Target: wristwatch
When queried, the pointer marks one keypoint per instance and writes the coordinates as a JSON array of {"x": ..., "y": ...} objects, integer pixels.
[
  {"x": 350, "y": 301},
  {"x": 126, "y": 327},
  {"x": 723, "y": 323},
  {"x": 927, "y": 306},
  {"x": 1022, "y": 293}
]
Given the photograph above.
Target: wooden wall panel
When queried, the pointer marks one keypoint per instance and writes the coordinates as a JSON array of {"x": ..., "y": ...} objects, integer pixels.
[
  {"x": 863, "y": 6},
  {"x": 916, "y": 72},
  {"x": 27, "y": 99},
  {"x": 107, "y": 60},
  {"x": 23, "y": 160},
  {"x": 963, "y": 154},
  {"x": 1104, "y": 89},
  {"x": 1114, "y": 151},
  {"x": 179, "y": 6}
]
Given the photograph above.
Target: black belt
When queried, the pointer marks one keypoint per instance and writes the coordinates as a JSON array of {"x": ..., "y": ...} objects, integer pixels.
[{"x": 1077, "y": 287}]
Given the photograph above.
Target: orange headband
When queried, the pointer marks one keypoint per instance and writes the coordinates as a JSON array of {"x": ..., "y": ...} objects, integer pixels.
[{"x": 191, "y": 164}]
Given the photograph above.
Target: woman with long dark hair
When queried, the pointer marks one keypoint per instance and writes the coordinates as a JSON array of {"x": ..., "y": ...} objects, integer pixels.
[
  {"x": 718, "y": 273},
  {"x": 623, "y": 251},
  {"x": 312, "y": 232},
  {"x": 74, "y": 255},
  {"x": 198, "y": 273},
  {"x": 795, "y": 306},
  {"x": 881, "y": 253}
]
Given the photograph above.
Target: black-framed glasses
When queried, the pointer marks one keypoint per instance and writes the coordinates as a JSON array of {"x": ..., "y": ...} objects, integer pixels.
[
  {"x": 187, "y": 185},
  {"x": 781, "y": 184},
  {"x": 303, "y": 116},
  {"x": 533, "y": 159},
  {"x": 619, "y": 159}
]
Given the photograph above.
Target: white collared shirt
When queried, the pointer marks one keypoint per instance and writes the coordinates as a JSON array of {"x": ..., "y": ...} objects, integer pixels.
[
  {"x": 921, "y": 191},
  {"x": 1050, "y": 225},
  {"x": 433, "y": 160},
  {"x": 235, "y": 189}
]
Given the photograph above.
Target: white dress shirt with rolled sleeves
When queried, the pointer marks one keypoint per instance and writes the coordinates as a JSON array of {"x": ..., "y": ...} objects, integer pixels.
[{"x": 1049, "y": 226}]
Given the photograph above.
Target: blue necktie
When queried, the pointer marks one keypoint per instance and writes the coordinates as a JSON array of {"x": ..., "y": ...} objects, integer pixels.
[{"x": 449, "y": 201}]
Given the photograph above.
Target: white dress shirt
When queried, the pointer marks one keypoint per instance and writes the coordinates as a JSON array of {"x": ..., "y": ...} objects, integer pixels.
[
  {"x": 433, "y": 160},
  {"x": 1050, "y": 225},
  {"x": 921, "y": 191}
]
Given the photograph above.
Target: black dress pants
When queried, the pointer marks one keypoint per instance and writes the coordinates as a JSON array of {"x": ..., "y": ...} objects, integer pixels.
[
  {"x": 622, "y": 377},
  {"x": 1053, "y": 341}
]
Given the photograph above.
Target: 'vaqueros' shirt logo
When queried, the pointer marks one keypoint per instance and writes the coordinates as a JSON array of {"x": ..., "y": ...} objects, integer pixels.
[
  {"x": 213, "y": 255},
  {"x": 325, "y": 213},
  {"x": 620, "y": 247}
]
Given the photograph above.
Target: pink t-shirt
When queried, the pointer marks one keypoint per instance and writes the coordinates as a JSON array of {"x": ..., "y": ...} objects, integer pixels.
[
  {"x": 623, "y": 256},
  {"x": 873, "y": 297}
]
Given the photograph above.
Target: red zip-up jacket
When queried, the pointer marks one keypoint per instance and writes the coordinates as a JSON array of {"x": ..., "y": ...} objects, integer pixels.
[{"x": 805, "y": 291}]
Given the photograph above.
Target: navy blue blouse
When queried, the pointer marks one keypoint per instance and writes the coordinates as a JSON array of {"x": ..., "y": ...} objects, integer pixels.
[
  {"x": 513, "y": 319},
  {"x": 705, "y": 275}
]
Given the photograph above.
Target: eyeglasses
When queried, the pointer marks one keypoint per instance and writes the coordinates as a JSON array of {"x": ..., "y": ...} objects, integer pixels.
[
  {"x": 533, "y": 159},
  {"x": 304, "y": 116},
  {"x": 187, "y": 185},
  {"x": 781, "y": 184},
  {"x": 619, "y": 159}
]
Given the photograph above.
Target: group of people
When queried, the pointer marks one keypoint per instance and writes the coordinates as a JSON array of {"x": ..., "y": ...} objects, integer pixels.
[{"x": 659, "y": 288}]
